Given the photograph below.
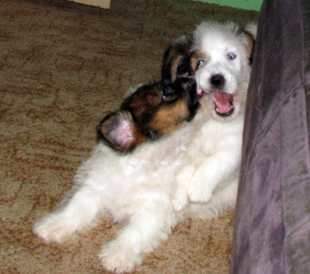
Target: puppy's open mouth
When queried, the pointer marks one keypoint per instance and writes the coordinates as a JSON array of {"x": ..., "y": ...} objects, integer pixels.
[{"x": 224, "y": 103}]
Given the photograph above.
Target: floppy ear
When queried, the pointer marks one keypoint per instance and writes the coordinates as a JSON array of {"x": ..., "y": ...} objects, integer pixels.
[
  {"x": 176, "y": 61},
  {"x": 249, "y": 34},
  {"x": 119, "y": 131},
  {"x": 250, "y": 48}
]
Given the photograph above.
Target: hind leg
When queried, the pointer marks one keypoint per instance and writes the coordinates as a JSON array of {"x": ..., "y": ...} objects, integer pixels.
[
  {"x": 143, "y": 233},
  {"x": 76, "y": 213}
]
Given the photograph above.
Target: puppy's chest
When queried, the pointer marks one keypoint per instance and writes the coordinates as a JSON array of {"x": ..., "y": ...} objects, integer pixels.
[
  {"x": 155, "y": 167},
  {"x": 205, "y": 142}
]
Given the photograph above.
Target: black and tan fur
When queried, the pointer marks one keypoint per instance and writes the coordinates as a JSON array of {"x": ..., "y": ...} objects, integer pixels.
[
  {"x": 149, "y": 113},
  {"x": 176, "y": 61}
]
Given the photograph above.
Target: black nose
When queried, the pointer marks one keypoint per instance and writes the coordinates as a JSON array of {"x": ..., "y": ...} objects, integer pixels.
[{"x": 217, "y": 80}]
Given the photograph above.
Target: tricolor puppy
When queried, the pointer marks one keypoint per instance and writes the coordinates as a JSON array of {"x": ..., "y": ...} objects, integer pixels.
[
  {"x": 130, "y": 175},
  {"x": 149, "y": 113},
  {"x": 220, "y": 60}
]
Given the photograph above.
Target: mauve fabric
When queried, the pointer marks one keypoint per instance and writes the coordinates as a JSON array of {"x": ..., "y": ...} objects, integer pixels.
[{"x": 272, "y": 227}]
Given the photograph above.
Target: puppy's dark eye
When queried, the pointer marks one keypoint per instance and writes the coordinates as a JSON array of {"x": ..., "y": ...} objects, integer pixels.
[
  {"x": 200, "y": 63},
  {"x": 168, "y": 95},
  {"x": 231, "y": 56}
]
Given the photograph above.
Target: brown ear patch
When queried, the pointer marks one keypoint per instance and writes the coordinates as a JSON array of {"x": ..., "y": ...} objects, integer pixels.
[{"x": 196, "y": 57}]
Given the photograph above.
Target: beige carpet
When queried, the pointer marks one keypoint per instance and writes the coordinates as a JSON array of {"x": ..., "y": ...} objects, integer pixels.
[{"x": 63, "y": 66}]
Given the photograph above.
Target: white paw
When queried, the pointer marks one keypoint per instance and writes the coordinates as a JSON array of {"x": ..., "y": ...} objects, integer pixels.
[
  {"x": 179, "y": 203},
  {"x": 114, "y": 257},
  {"x": 51, "y": 228},
  {"x": 198, "y": 192}
]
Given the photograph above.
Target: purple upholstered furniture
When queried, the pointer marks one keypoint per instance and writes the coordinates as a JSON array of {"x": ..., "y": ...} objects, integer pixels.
[{"x": 272, "y": 228}]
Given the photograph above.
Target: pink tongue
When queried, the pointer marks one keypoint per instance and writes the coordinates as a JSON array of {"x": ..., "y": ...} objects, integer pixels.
[{"x": 223, "y": 102}]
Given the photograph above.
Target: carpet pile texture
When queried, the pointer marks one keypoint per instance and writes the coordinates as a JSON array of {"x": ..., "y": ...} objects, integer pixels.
[{"x": 63, "y": 66}]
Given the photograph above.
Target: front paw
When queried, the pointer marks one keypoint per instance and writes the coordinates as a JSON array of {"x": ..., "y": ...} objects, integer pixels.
[
  {"x": 179, "y": 203},
  {"x": 198, "y": 191},
  {"x": 51, "y": 228},
  {"x": 114, "y": 257}
]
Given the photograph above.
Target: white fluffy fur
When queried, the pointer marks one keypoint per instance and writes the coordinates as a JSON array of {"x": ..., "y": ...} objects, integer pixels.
[
  {"x": 136, "y": 188},
  {"x": 149, "y": 188}
]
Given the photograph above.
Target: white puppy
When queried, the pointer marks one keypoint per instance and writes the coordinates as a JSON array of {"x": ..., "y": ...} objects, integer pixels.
[{"x": 219, "y": 56}]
